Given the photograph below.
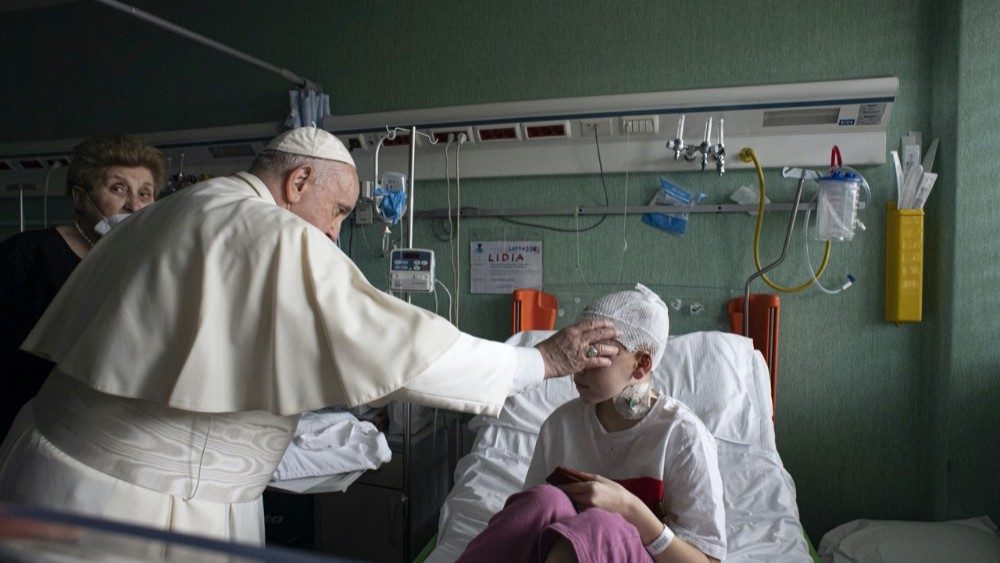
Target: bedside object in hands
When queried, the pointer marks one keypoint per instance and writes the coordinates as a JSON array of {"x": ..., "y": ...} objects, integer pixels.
[{"x": 563, "y": 475}]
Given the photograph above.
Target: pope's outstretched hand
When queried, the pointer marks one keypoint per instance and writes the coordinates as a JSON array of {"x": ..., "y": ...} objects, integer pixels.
[{"x": 578, "y": 347}]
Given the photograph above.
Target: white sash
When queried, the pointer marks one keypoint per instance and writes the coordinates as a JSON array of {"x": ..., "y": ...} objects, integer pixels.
[{"x": 226, "y": 457}]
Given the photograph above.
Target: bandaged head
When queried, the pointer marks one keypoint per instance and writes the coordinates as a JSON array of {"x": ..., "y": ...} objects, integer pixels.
[
  {"x": 312, "y": 142},
  {"x": 640, "y": 316}
]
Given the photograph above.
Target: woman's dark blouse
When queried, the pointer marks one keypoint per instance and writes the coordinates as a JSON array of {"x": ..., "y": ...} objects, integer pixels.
[{"x": 33, "y": 266}]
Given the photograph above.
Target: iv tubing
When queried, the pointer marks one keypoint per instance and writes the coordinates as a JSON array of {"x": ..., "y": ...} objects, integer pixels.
[
  {"x": 458, "y": 231},
  {"x": 411, "y": 185},
  {"x": 377, "y": 149}
]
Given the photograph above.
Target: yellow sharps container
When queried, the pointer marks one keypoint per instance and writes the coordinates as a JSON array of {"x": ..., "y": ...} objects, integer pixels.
[{"x": 904, "y": 264}]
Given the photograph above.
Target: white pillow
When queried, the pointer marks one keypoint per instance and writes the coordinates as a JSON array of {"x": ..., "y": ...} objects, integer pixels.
[
  {"x": 890, "y": 541},
  {"x": 716, "y": 374}
]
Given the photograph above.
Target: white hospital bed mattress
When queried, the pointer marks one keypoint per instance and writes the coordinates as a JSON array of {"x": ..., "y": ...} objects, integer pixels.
[{"x": 721, "y": 378}]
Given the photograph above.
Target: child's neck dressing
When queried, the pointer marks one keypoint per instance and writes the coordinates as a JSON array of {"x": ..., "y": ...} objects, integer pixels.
[{"x": 613, "y": 420}]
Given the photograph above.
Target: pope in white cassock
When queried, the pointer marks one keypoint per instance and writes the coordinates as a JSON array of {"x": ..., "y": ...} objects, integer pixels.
[{"x": 191, "y": 338}]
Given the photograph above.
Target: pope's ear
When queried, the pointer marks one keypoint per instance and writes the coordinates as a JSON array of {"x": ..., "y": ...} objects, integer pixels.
[{"x": 297, "y": 182}]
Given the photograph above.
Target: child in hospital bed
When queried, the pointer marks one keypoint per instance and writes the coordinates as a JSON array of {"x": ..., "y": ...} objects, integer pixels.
[{"x": 633, "y": 472}]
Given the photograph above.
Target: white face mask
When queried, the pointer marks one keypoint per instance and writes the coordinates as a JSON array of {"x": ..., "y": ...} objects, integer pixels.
[{"x": 105, "y": 225}]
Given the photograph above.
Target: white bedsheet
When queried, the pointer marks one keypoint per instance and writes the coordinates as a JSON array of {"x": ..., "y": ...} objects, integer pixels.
[
  {"x": 762, "y": 522},
  {"x": 331, "y": 443}
]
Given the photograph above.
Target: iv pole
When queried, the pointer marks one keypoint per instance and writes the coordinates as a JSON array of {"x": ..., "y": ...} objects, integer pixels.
[
  {"x": 776, "y": 263},
  {"x": 407, "y": 439}
]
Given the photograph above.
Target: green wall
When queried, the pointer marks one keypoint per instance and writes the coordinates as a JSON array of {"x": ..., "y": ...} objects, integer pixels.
[
  {"x": 962, "y": 348},
  {"x": 938, "y": 348},
  {"x": 870, "y": 416}
]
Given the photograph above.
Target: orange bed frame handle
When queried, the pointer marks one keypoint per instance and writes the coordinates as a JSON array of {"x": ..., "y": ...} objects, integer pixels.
[
  {"x": 765, "y": 320},
  {"x": 533, "y": 310}
]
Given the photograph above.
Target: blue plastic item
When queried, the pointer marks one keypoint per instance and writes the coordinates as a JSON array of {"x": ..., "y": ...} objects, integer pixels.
[
  {"x": 391, "y": 205},
  {"x": 673, "y": 223}
]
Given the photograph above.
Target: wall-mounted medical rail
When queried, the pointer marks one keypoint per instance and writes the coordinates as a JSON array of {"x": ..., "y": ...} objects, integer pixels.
[
  {"x": 211, "y": 43},
  {"x": 788, "y": 124},
  {"x": 469, "y": 212}
]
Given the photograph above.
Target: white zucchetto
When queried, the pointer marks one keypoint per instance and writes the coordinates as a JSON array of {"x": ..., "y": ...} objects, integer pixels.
[{"x": 312, "y": 142}]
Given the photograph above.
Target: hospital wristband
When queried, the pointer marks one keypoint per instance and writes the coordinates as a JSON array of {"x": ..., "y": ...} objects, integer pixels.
[{"x": 660, "y": 544}]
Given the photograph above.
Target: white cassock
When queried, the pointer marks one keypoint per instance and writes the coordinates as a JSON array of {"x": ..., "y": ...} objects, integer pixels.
[{"x": 188, "y": 343}]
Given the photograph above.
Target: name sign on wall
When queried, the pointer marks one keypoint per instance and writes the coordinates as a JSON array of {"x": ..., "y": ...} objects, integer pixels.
[{"x": 503, "y": 266}]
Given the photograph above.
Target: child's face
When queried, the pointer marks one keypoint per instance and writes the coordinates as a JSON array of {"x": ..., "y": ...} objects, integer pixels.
[{"x": 600, "y": 384}]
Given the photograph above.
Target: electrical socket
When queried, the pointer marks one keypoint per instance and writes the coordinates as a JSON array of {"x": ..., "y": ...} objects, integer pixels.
[
  {"x": 603, "y": 126},
  {"x": 641, "y": 124},
  {"x": 364, "y": 213},
  {"x": 454, "y": 134}
]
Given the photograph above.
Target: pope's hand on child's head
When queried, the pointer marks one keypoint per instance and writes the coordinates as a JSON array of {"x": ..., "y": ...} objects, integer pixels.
[{"x": 578, "y": 347}]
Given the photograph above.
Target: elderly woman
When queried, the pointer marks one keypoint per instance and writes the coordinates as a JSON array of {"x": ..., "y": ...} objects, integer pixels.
[{"x": 109, "y": 176}]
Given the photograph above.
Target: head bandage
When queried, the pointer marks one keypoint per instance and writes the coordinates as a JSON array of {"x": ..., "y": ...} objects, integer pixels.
[
  {"x": 640, "y": 316},
  {"x": 312, "y": 142}
]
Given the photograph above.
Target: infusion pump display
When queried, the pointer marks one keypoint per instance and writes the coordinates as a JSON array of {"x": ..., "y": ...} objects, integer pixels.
[{"x": 411, "y": 270}]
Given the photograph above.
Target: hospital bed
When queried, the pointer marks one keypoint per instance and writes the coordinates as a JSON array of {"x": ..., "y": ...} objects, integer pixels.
[{"x": 720, "y": 377}]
